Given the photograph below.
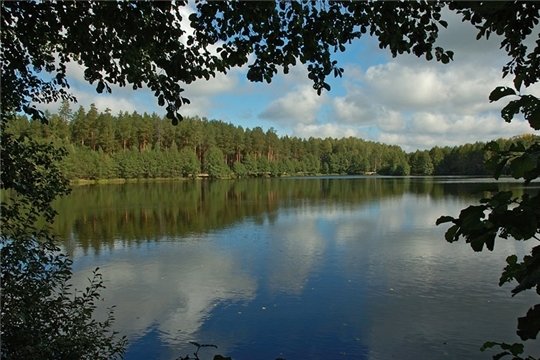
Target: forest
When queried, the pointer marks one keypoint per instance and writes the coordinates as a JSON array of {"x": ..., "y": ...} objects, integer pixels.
[{"x": 100, "y": 145}]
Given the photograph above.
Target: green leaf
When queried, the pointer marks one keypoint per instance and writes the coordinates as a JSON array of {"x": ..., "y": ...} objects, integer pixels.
[
  {"x": 516, "y": 349},
  {"x": 489, "y": 345},
  {"x": 450, "y": 234},
  {"x": 531, "y": 110},
  {"x": 219, "y": 357},
  {"x": 518, "y": 80},
  {"x": 512, "y": 260},
  {"x": 520, "y": 166},
  {"x": 529, "y": 325},
  {"x": 501, "y": 198},
  {"x": 500, "y": 92},
  {"x": 511, "y": 109},
  {"x": 445, "y": 59},
  {"x": 100, "y": 87},
  {"x": 501, "y": 355},
  {"x": 487, "y": 238},
  {"x": 444, "y": 219}
]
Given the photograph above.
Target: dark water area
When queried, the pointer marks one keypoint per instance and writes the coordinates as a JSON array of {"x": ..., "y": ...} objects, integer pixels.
[{"x": 297, "y": 268}]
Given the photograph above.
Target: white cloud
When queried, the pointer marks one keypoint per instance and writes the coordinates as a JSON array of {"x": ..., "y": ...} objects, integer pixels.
[
  {"x": 427, "y": 130},
  {"x": 220, "y": 84},
  {"x": 326, "y": 130},
  {"x": 404, "y": 87},
  {"x": 300, "y": 106},
  {"x": 420, "y": 87},
  {"x": 355, "y": 107},
  {"x": 419, "y": 104},
  {"x": 391, "y": 120}
]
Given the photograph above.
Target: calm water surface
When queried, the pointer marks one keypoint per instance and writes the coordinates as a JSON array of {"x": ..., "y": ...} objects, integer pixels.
[{"x": 318, "y": 268}]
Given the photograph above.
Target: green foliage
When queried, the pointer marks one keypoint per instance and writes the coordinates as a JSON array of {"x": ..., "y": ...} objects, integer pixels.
[
  {"x": 250, "y": 164},
  {"x": 214, "y": 163},
  {"x": 42, "y": 316},
  {"x": 190, "y": 163},
  {"x": 239, "y": 169},
  {"x": 510, "y": 349},
  {"x": 311, "y": 164},
  {"x": 421, "y": 163},
  {"x": 282, "y": 155},
  {"x": 263, "y": 166}
]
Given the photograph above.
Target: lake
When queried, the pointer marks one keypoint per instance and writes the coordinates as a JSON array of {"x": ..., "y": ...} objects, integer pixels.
[{"x": 296, "y": 268}]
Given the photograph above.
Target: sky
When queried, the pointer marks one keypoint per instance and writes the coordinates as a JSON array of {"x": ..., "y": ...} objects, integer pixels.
[{"x": 405, "y": 101}]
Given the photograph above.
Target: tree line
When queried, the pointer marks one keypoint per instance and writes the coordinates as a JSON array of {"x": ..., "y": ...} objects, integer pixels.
[{"x": 101, "y": 145}]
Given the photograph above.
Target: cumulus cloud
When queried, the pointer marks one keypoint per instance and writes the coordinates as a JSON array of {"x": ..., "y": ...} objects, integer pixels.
[
  {"x": 426, "y": 131},
  {"x": 420, "y": 104},
  {"x": 299, "y": 106},
  {"x": 220, "y": 84},
  {"x": 356, "y": 107},
  {"x": 327, "y": 130},
  {"x": 406, "y": 87}
]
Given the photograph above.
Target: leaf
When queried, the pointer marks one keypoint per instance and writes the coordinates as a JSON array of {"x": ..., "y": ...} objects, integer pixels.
[
  {"x": 511, "y": 109},
  {"x": 471, "y": 216},
  {"x": 100, "y": 87},
  {"x": 531, "y": 110},
  {"x": 518, "y": 80},
  {"x": 512, "y": 260},
  {"x": 516, "y": 349},
  {"x": 501, "y": 355},
  {"x": 520, "y": 166},
  {"x": 219, "y": 357},
  {"x": 478, "y": 242},
  {"x": 450, "y": 234},
  {"x": 445, "y": 59},
  {"x": 501, "y": 198},
  {"x": 529, "y": 325},
  {"x": 489, "y": 345},
  {"x": 500, "y": 92},
  {"x": 444, "y": 219}
]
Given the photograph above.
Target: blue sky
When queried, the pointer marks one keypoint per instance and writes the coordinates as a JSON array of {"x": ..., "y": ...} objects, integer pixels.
[{"x": 403, "y": 101}]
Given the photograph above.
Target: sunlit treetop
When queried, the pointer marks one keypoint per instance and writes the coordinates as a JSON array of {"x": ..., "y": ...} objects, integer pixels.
[{"x": 157, "y": 45}]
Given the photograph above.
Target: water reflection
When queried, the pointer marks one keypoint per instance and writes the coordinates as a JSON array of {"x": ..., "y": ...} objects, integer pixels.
[
  {"x": 169, "y": 289},
  {"x": 296, "y": 268}
]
